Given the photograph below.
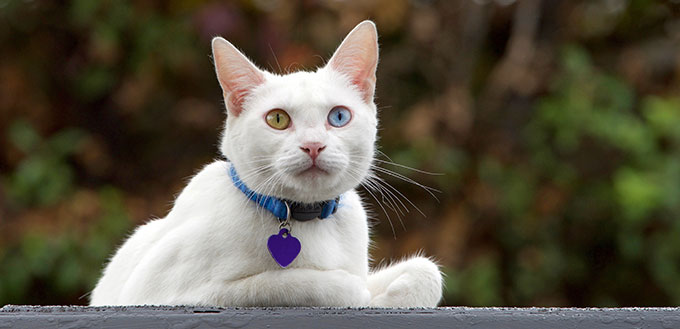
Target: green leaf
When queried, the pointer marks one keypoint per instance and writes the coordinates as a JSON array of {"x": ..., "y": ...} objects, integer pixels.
[
  {"x": 23, "y": 136},
  {"x": 637, "y": 192}
]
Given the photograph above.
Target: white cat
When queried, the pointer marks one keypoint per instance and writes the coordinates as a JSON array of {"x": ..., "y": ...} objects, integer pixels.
[{"x": 301, "y": 138}]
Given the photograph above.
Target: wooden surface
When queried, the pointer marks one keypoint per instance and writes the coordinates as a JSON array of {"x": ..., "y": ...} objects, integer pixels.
[{"x": 13, "y": 316}]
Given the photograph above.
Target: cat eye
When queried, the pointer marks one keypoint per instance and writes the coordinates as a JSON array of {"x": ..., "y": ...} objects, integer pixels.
[
  {"x": 278, "y": 119},
  {"x": 339, "y": 116}
]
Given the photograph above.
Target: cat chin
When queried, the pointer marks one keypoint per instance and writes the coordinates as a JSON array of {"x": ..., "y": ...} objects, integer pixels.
[
  {"x": 314, "y": 188},
  {"x": 314, "y": 173}
]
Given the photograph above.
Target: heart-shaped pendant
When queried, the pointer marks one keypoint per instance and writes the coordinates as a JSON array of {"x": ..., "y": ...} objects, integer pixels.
[{"x": 283, "y": 247}]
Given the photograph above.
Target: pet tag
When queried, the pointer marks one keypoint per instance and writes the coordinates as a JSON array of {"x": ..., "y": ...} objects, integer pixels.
[{"x": 283, "y": 247}]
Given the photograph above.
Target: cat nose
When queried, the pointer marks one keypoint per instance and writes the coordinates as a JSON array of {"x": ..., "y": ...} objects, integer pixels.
[{"x": 313, "y": 149}]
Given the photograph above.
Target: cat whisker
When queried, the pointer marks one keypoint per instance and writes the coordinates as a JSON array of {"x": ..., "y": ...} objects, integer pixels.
[
  {"x": 388, "y": 185},
  {"x": 257, "y": 171},
  {"x": 394, "y": 233},
  {"x": 390, "y": 197},
  {"x": 385, "y": 199},
  {"x": 367, "y": 186},
  {"x": 377, "y": 182},
  {"x": 428, "y": 189},
  {"x": 266, "y": 184},
  {"x": 372, "y": 179},
  {"x": 383, "y": 154},
  {"x": 275, "y": 59},
  {"x": 390, "y": 203},
  {"x": 409, "y": 168},
  {"x": 254, "y": 172},
  {"x": 391, "y": 162},
  {"x": 394, "y": 174}
]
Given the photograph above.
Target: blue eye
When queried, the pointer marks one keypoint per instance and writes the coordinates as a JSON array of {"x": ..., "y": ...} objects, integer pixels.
[{"x": 339, "y": 116}]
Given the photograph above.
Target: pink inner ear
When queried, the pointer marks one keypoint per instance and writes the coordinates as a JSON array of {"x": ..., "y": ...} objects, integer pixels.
[
  {"x": 361, "y": 72},
  {"x": 235, "y": 100},
  {"x": 236, "y": 74},
  {"x": 357, "y": 58},
  {"x": 367, "y": 89},
  {"x": 238, "y": 86}
]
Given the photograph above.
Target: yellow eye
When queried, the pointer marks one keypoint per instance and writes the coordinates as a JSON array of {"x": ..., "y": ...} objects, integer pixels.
[{"x": 278, "y": 119}]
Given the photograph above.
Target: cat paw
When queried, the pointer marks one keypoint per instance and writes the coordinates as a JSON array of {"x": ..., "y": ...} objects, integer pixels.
[
  {"x": 349, "y": 290},
  {"x": 364, "y": 298},
  {"x": 416, "y": 282}
]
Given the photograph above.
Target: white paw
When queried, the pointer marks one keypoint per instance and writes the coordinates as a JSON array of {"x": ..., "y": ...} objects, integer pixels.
[
  {"x": 351, "y": 290},
  {"x": 364, "y": 298},
  {"x": 416, "y": 282}
]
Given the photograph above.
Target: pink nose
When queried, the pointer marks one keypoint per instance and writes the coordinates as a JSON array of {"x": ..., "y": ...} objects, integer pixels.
[{"x": 313, "y": 149}]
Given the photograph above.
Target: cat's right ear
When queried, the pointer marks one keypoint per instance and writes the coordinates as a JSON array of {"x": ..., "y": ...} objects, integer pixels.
[
  {"x": 357, "y": 58},
  {"x": 237, "y": 75}
]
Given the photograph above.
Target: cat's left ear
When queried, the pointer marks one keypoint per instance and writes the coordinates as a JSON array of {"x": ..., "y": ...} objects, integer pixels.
[
  {"x": 357, "y": 58},
  {"x": 238, "y": 76}
]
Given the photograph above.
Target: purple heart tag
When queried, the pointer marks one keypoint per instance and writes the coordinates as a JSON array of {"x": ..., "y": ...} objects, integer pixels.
[{"x": 283, "y": 247}]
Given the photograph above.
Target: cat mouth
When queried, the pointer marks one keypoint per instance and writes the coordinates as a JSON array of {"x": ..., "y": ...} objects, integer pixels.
[{"x": 313, "y": 170}]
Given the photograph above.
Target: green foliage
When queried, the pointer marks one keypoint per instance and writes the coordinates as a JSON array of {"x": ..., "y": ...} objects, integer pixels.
[
  {"x": 49, "y": 268},
  {"x": 44, "y": 176},
  {"x": 481, "y": 282},
  {"x": 617, "y": 160}
]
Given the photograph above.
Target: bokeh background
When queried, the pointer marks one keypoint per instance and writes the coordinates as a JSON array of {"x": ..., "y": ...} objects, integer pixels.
[{"x": 555, "y": 126}]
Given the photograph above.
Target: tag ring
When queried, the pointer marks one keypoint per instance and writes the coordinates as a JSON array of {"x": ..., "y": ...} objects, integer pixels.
[{"x": 286, "y": 222}]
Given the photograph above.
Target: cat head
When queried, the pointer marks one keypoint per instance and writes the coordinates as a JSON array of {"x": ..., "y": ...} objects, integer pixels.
[{"x": 304, "y": 136}]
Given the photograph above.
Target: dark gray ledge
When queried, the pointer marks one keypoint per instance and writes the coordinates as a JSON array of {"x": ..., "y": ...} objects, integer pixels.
[{"x": 13, "y": 316}]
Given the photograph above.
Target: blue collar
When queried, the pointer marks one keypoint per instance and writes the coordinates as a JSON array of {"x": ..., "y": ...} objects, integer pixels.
[{"x": 298, "y": 211}]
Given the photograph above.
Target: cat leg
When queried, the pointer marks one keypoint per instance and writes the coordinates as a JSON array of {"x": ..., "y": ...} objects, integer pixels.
[
  {"x": 289, "y": 287},
  {"x": 415, "y": 282}
]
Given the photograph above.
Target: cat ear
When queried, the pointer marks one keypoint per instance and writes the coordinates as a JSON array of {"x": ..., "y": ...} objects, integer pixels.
[
  {"x": 357, "y": 58},
  {"x": 237, "y": 75}
]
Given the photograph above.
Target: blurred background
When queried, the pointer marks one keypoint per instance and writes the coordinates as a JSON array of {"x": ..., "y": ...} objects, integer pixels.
[{"x": 555, "y": 126}]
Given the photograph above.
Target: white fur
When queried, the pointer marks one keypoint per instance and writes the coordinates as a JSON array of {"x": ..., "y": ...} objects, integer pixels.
[{"x": 211, "y": 248}]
